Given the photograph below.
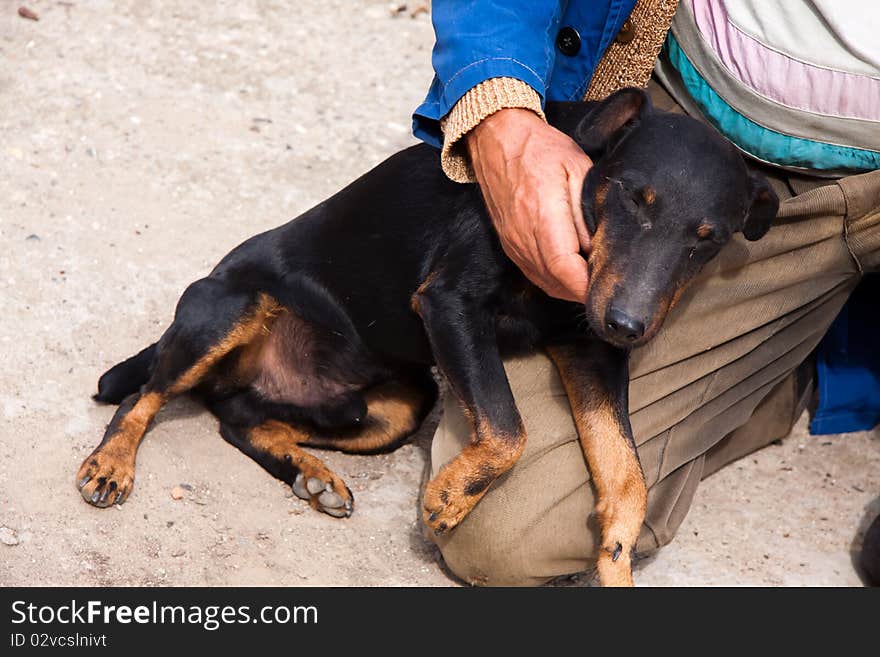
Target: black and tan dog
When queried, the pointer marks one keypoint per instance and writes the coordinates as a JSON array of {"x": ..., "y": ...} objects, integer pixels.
[{"x": 321, "y": 332}]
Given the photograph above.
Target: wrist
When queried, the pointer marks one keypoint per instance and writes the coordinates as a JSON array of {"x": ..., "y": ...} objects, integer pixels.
[
  {"x": 485, "y": 100},
  {"x": 505, "y": 128}
]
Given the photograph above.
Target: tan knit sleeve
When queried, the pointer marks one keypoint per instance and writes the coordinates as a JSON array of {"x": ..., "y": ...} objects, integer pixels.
[{"x": 483, "y": 100}]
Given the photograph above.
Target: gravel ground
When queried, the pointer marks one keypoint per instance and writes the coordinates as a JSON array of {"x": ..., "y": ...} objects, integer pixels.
[{"x": 139, "y": 142}]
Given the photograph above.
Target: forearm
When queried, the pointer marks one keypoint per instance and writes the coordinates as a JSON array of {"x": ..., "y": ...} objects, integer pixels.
[{"x": 482, "y": 40}]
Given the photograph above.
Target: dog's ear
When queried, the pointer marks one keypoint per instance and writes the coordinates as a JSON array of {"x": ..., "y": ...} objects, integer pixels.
[
  {"x": 762, "y": 211},
  {"x": 609, "y": 121}
]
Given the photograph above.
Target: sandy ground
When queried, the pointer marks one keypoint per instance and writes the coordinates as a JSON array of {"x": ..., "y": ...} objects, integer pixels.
[{"x": 139, "y": 142}]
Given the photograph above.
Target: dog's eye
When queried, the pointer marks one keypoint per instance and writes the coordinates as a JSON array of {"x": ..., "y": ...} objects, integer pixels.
[{"x": 630, "y": 202}]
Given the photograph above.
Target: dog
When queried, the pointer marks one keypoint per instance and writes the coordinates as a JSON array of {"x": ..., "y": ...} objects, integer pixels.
[{"x": 322, "y": 332}]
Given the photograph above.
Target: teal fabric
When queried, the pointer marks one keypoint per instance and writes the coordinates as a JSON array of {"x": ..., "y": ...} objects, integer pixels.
[{"x": 761, "y": 142}]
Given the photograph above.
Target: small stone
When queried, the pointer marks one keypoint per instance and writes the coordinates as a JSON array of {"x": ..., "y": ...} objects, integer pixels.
[
  {"x": 8, "y": 536},
  {"x": 178, "y": 553},
  {"x": 177, "y": 493},
  {"x": 33, "y": 237},
  {"x": 30, "y": 14}
]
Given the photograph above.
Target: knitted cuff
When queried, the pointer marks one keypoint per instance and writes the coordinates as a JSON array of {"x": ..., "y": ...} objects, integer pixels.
[{"x": 481, "y": 101}]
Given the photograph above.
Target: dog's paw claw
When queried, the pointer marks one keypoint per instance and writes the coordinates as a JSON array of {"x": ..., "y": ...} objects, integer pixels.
[
  {"x": 442, "y": 512},
  {"x": 616, "y": 554},
  {"x": 103, "y": 481}
]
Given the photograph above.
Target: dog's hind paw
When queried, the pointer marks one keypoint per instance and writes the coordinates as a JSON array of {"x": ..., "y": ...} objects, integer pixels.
[{"x": 331, "y": 497}]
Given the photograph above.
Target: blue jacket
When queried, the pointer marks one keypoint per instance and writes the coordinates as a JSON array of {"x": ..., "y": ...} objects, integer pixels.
[{"x": 482, "y": 39}]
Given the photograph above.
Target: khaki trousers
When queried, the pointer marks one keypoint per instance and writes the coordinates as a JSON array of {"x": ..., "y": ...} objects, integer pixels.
[{"x": 736, "y": 336}]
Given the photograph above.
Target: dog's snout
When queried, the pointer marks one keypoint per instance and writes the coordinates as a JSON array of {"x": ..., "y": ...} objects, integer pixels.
[{"x": 623, "y": 326}]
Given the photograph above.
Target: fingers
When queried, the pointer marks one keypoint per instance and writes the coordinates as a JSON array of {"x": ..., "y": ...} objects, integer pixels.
[
  {"x": 576, "y": 188},
  {"x": 564, "y": 274},
  {"x": 531, "y": 177},
  {"x": 549, "y": 253},
  {"x": 559, "y": 244},
  {"x": 569, "y": 275},
  {"x": 524, "y": 257}
]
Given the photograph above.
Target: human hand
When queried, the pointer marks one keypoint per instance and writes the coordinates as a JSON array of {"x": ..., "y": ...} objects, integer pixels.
[{"x": 531, "y": 176}]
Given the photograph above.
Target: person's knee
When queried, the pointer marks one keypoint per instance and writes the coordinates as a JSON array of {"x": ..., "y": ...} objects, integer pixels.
[
  {"x": 532, "y": 524},
  {"x": 487, "y": 560},
  {"x": 503, "y": 544}
]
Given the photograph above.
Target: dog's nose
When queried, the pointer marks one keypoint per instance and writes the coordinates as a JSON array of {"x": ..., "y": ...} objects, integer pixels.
[{"x": 624, "y": 326}]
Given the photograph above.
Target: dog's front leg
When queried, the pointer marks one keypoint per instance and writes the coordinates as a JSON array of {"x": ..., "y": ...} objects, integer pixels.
[
  {"x": 462, "y": 336},
  {"x": 596, "y": 379}
]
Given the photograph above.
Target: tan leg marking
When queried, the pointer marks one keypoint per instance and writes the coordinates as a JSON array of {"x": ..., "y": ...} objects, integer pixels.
[
  {"x": 394, "y": 411},
  {"x": 462, "y": 482},
  {"x": 257, "y": 323},
  {"x": 315, "y": 482},
  {"x": 107, "y": 475},
  {"x": 617, "y": 475}
]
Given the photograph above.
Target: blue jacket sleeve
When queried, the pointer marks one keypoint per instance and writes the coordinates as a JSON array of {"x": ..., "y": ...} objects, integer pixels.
[{"x": 481, "y": 39}]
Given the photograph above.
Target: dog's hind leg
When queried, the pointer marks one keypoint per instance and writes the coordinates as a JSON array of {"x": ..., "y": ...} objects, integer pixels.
[
  {"x": 395, "y": 410},
  {"x": 596, "y": 381},
  {"x": 209, "y": 323},
  {"x": 276, "y": 446}
]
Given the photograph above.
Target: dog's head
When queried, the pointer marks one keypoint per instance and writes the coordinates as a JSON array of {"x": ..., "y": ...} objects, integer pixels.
[{"x": 666, "y": 192}]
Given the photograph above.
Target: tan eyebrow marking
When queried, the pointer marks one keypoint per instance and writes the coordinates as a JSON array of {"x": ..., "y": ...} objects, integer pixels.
[
  {"x": 649, "y": 194},
  {"x": 704, "y": 230}
]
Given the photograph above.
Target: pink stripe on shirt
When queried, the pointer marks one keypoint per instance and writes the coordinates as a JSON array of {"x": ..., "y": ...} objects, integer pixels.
[{"x": 781, "y": 78}]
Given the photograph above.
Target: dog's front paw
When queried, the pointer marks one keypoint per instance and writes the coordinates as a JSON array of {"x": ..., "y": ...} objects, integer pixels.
[
  {"x": 106, "y": 477},
  {"x": 325, "y": 492},
  {"x": 621, "y": 515},
  {"x": 446, "y": 503}
]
